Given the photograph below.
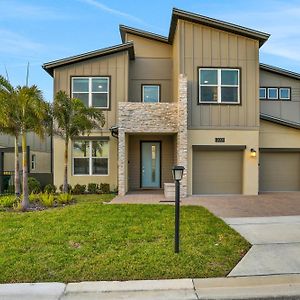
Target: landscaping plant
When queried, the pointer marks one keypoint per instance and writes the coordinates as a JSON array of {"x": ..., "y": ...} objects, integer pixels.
[
  {"x": 50, "y": 189},
  {"x": 72, "y": 119},
  {"x": 64, "y": 198},
  {"x": 79, "y": 189},
  {"x": 34, "y": 185},
  {"x": 46, "y": 199}
]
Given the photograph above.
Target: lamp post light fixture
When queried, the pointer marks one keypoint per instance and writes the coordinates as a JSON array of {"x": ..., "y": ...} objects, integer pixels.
[
  {"x": 253, "y": 153},
  {"x": 177, "y": 173}
]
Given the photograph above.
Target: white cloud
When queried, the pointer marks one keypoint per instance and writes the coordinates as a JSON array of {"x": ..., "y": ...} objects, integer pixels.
[
  {"x": 13, "y": 43},
  {"x": 17, "y": 9},
  {"x": 113, "y": 11}
]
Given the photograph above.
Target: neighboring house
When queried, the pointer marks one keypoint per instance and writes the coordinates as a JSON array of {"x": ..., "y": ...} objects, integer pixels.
[
  {"x": 39, "y": 159},
  {"x": 191, "y": 99}
]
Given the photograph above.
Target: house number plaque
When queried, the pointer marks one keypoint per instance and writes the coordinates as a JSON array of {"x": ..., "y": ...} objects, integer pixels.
[{"x": 220, "y": 140}]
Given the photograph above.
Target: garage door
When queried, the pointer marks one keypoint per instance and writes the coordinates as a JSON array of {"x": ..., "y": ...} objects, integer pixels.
[
  {"x": 279, "y": 171},
  {"x": 217, "y": 172}
]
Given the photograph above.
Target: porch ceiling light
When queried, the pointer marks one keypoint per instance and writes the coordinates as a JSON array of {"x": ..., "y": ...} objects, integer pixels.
[
  {"x": 177, "y": 172},
  {"x": 253, "y": 153}
]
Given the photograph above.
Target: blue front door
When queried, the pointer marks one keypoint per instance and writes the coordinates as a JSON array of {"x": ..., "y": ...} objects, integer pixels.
[{"x": 150, "y": 165}]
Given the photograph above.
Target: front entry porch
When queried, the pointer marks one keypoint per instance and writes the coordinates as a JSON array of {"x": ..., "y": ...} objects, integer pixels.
[{"x": 150, "y": 161}]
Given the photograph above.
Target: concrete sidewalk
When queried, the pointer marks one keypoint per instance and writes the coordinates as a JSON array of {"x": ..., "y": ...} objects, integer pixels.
[
  {"x": 266, "y": 287},
  {"x": 275, "y": 245}
]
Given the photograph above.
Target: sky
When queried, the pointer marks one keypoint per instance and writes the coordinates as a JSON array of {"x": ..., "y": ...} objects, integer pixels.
[{"x": 39, "y": 31}]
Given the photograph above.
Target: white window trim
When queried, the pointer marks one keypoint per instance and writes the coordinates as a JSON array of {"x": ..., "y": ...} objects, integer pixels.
[
  {"x": 273, "y": 98},
  {"x": 158, "y": 92},
  {"x": 90, "y": 158},
  {"x": 33, "y": 162},
  {"x": 289, "y": 93},
  {"x": 90, "y": 92},
  {"x": 265, "y": 90},
  {"x": 219, "y": 86}
]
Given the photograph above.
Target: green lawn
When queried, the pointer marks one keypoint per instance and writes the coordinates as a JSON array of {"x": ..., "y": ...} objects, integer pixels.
[{"x": 94, "y": 241}]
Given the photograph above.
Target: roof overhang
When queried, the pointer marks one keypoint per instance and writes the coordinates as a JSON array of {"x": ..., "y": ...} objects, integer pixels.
[
  {"x": 145, "y": 34},
  {"x": 50, "y": 66},
  {"x": 279, "y": 71},
  {"x": 177, "y": 14},
  {"x": 280, "y": 121}
]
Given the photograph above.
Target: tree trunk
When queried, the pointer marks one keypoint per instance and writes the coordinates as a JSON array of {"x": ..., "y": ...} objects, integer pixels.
[
  {"x": 25, "y": 200},
  {"x": 17, "y": 169},
  {"x": 65, "y": 186}
]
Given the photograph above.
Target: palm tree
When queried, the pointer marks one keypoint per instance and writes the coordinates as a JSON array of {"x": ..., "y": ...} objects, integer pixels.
[
  {"x": 33, "y": 116},
  {"x": 72, "y": 119},
  {"x": 9, "y": 122}
]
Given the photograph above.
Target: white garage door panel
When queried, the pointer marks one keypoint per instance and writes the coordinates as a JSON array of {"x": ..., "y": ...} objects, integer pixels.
[
  {"x": 217, "y": 172},
  {"x": 279, "y": 171}
]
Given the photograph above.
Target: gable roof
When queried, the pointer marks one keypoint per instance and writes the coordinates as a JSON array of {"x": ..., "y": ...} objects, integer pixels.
[
  {"x": 146, "y": 34},
  {"x": 279, "y": 121},
  {"x": 177, "y": 14},
  {"x": 279, "y": 71},
  {"x": 50, "y": 66},
  {"x": 218, "y": 24}
]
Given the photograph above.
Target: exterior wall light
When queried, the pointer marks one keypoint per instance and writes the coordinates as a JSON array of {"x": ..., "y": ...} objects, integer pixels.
[
  {"x": 253, "y": 153},
  {"x": 177, "y": 173}
]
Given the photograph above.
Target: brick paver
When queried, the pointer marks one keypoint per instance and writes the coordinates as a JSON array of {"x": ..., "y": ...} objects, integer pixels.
[{"x": 263, "y": 205}]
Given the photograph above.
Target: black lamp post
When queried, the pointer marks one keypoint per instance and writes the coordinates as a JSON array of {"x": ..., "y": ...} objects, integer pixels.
[{"x": 177, "y": 173}]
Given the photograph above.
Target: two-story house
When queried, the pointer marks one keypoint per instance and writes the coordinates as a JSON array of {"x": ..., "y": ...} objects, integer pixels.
[{"x": 191, "y": 99}]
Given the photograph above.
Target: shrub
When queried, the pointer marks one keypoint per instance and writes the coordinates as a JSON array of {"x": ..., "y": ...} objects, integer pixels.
[
  {"x": 64, "y": 198},
  {"x": 50, "y": 189},
  {"x": 69, "y": 188},
  {"x": 104, "y": 188},
  {"x": 34, "y": 197},
  {"x": 93, "y": 188},
  {"x": 11, "y": 189},
  {"x": 47, "y": 199},
  {"x": 79, "y": 189},
  {"x": 17, "y": 205},
  {"x": 34, "y": 185},
  {"x": 7, "y": 201}
]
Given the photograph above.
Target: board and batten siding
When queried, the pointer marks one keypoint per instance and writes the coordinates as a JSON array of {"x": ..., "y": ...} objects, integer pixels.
[
  {"x": 287, "y": 110},
  {"x": 152, "y": 65},
  {"x": 115, "y": 66},
  {"x": 202, "y": 46}
]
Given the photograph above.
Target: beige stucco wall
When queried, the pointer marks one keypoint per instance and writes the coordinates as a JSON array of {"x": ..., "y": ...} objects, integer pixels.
[
  {"x": 278, "y": 136},
  {"x": 203, "y": 46},
  {"x": 58, "y": 166},
  {"x": 249, "y": 138}
]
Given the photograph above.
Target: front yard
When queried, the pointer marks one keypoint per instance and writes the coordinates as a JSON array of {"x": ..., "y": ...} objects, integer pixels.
[{"x": 94, "y": 241}]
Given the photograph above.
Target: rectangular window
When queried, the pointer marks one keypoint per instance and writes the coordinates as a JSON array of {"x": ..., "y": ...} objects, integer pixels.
[
  {"x": 284, "y": 94},
  {"x": 92, "y": 91},
  {"x": 33, "y": 162},
  {"x": 262, "y": 93},
  {"x": 90, "y": 157},
  {"x": 150, "y": 93},
  {"x": 219, "y": 86},
  {"x": 273, "y": 93}
]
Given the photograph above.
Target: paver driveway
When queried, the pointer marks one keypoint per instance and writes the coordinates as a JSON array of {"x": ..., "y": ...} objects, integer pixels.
[{"x": 270, "y": 222}]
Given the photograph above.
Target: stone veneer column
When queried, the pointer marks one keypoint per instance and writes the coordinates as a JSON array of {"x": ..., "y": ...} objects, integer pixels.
[
  {"x": 182, "y": 131},
  {"x": 121, "y": 162}
]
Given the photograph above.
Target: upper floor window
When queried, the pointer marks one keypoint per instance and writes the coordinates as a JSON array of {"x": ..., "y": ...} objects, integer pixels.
[
  {"x": 92, "y": 91},
  {"x": 151, "y": 93},
  {"x": 285, "y": 93},
  {"x": 90, "y": 157},
  {"x": 262, "y": 93},
  {"x": 219, "y": 86},
  {"x": 33, "y": 162},
  {"x": 274, "y": 93}
]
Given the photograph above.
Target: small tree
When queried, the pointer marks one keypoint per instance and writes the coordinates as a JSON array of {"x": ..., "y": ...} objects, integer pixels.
[
  {"x": 33, "y": 116},
  {"x": 72, "y": 119},
  {"x": 9, "y": 122}
]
